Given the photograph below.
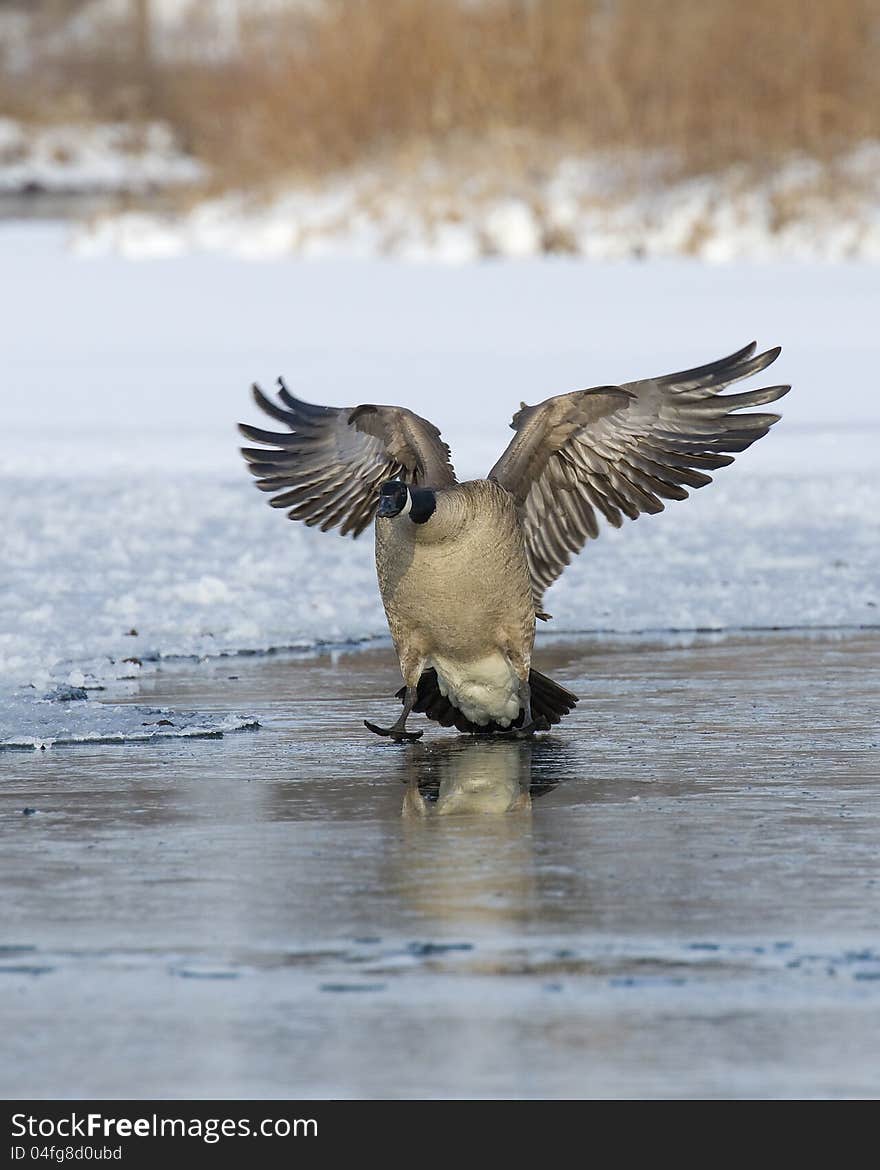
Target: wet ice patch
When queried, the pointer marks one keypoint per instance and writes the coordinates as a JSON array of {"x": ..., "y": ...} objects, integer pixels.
[
  {"x": 634, "y": 964},
  {"x": 211, "y": 973}
]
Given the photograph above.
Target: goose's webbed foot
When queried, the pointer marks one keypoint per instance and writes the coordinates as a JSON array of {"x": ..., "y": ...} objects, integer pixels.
[{"x": 395, "y": 732}]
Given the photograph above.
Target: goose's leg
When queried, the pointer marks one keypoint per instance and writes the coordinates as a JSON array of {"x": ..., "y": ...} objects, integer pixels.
[
  {"x": 411, "y": 666},
  {"x": 397, "y": 731},
  {"x": 529, "y": 724}
]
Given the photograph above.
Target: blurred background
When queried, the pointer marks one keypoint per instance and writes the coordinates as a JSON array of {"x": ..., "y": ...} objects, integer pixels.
[{"x": 448, "y": 129}]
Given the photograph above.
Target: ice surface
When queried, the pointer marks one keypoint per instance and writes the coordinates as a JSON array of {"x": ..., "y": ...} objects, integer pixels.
[{"x": 125, "y": 505}]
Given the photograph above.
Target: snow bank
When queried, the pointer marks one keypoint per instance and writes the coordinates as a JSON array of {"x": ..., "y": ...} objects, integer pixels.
[
  {"x": 600, "y": 208},
  {"x": 91, "y": 159}
]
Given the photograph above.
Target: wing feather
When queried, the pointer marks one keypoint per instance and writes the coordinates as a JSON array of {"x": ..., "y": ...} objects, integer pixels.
[
  {"x": 327, "y": 467},
  {"x": 622, "y": 450}
]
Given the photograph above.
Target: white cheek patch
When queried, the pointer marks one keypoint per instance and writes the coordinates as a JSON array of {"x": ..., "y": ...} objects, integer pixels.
[{"x": 405, "y": 510}]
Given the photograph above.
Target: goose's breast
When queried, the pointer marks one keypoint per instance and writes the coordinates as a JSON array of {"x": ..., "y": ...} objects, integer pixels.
[{"x": 459, "y": 594}]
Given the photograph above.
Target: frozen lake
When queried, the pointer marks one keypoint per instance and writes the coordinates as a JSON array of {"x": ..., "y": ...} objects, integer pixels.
[{"x": 689, "y": 906}]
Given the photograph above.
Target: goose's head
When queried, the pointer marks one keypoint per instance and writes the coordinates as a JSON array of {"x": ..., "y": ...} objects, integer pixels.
[{"x": 398, "y": 499}]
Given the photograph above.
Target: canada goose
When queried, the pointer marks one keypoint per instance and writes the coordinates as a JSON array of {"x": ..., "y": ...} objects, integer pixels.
[{"x": 462, "y": 567}]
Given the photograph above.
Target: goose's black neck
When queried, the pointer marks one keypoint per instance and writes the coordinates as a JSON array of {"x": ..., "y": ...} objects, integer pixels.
[{"x": 423, "y": 504}]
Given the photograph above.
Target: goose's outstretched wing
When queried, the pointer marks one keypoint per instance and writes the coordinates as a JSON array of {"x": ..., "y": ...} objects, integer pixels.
[
  {"x": 622, "y": 450},
  {"x": 326, "y": 468}
]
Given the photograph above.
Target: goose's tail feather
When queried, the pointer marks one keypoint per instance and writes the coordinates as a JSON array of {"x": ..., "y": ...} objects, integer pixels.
[{"x": 549, "y": 700}]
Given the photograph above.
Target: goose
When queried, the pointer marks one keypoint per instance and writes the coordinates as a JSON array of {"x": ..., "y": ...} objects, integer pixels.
[{"x": 462, "y": 567}]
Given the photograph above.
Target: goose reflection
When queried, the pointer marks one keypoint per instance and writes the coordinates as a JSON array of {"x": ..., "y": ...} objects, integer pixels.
[
  {"x": 467, "y": 855},
  {"x": 473, "y": 778}
]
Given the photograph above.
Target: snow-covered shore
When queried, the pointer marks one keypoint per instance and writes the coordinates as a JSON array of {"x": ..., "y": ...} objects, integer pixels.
[
  {"x": 108, "y": 159},
  {"x": 599, "y": 208},
  {"x": 470, "y": 203}
]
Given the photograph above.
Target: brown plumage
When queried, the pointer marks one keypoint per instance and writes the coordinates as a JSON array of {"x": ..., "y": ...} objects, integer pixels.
[{"x": 463, "y": 567}]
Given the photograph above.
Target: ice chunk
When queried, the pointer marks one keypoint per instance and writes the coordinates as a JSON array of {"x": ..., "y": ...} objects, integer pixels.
[{"x": 26, "y": 723}]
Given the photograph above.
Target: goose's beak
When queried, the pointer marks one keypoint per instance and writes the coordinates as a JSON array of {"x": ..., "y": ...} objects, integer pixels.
[{"x": 387, "y": 506}]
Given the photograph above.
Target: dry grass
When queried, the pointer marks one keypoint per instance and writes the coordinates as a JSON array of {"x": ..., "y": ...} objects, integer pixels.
[{"x": 715, "y": 82}]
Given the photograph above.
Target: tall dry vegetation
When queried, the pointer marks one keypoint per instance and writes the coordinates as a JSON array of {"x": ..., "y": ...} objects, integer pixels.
[{"x": 333, "y": 83}]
